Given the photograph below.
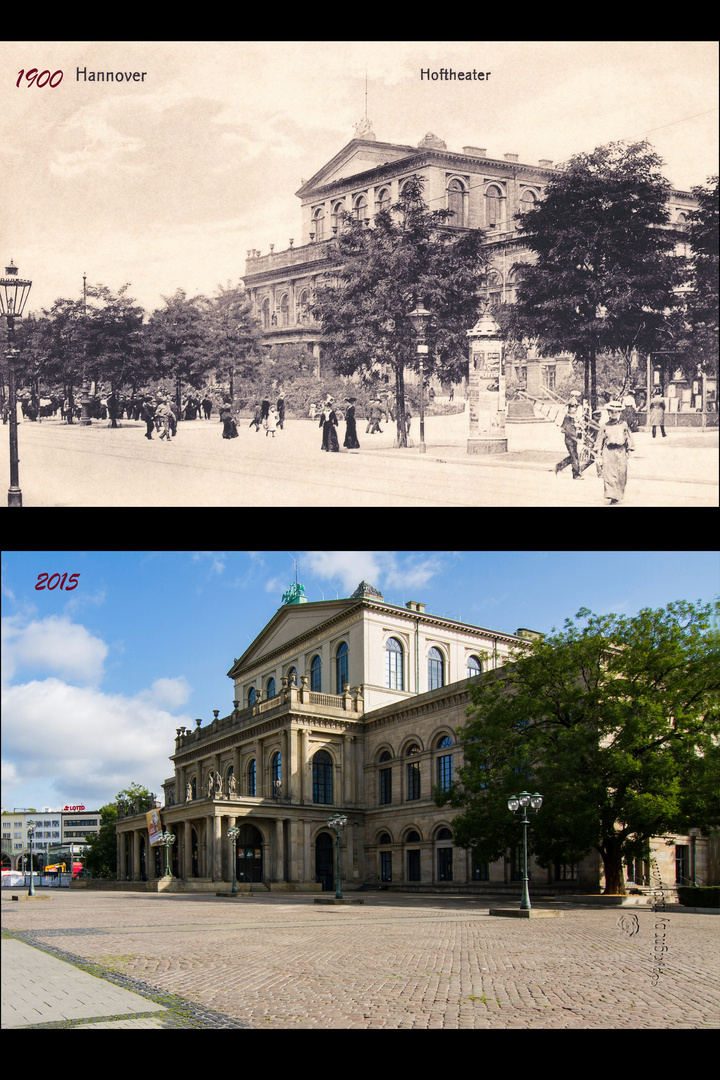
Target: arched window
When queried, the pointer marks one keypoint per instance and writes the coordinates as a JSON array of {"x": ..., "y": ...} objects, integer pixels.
[
  {"x": 336, "y": 216},
  {"x": 494, "y": 213},
  {"x": 322, "y": 778},
  {"x": 456, "y": 196},
  {"x": 252, "y": 777},
  {"x": 394, "y": 665},
  {"x": 319, "y": 223},
  {"x": 413, "y": 856},
  {"x": 436, "y": 669},
  {"x": 285, "y": 310},
  {"x": 474, "y": 667},
  {"x": 444, "y": 764},
  {"x": 528, "y": 199},
  {"x": 316, "y": 674},
  {"x": 276, "y": 772},
  {"x": 444, "y": 856},
  {"x": 383, "y": 200},
  {"x": 252, "y": 696},
  {"x": 266, "y": 314},
  {"x": 413, "y": 773},
  {"x": 360, "y": 210},
  {"x": 341, "y": 666},
  {"x": 270, "y": 688},
  {"x": 385, "y": 779}
]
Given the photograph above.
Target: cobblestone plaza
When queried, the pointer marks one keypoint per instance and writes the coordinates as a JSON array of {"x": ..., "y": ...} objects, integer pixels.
[{"x": 394, "y": 963}]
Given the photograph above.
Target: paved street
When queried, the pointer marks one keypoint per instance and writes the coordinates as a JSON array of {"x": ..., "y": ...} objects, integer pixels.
[
  {"x": 395, "y": 962},
  {"x": 63, "y": 465}
]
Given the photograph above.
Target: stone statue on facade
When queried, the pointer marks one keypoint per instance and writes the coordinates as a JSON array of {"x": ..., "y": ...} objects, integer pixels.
[{"x": 188, "y": 792}]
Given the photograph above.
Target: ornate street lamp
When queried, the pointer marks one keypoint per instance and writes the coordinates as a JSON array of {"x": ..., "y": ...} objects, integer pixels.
[
  {"x": 419, "y": 318},
  {"x": 516, "y": 803},
  {"x": 232, "y": 836},
  {"x": 167, "y": 840},
  {"x": 14, "y": 292},
  {"x": 31, "y": 827},
  {"x": 337, "y": 823}
]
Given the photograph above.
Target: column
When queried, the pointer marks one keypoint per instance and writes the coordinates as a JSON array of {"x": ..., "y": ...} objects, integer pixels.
[
  {"x": 217, "y": 848},
  {"x": 187, "y": 862},
  {"x": 279, "y": 874},
  {"x": 136, "y": 855},
  {"x": 120, "y": 847},
  {"x": 348, "y": 769}
]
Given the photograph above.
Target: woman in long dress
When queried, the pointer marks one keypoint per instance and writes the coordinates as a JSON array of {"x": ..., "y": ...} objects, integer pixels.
[
  {"x": 328, "y": 422},
  {"x": 351, "y": 439},
  {"x": 230, "y": 430},
  {"x": 614, "y": 442}
]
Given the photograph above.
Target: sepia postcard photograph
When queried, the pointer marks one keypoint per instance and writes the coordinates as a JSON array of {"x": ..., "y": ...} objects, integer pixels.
[{"x": 359, "y": 273}]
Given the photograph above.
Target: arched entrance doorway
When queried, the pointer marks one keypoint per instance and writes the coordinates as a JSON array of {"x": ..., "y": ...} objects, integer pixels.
[
  {"x": 324, "y": 871},
  {"x": 249, "y": 854}
]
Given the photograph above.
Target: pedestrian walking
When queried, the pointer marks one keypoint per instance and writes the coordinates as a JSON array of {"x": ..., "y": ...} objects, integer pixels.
[
  {"x": 163, "y": 416},
  {"x": 230, "y": 430},
  {"x": 207, "y": 407},
  {"x": 271, "y": 421},
  {"x": 257, "y": 417},
  {"x": 657, "y": 413},
  {"x": 328, "y": 422},
  {"x": 374, "y": 416},
  {"x": 148, "y": 415},
  {"x": 614, "y": 442},
  {"x": 569, "y": 428},
  {"x": 351, "y": 439},
  {"x": 281, "y": 412}
]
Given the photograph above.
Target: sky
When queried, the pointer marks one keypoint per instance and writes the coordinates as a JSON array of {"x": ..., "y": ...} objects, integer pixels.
[
  {"x": 96, "y": 679},
  {"x": 167, "y": 181}
]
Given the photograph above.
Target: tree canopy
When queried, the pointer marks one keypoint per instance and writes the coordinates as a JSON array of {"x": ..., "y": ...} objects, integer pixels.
[
  {"x": 616, "y": 723},
  {"x": 409, "y": 255},
  {"x": 604, "y": 275}
]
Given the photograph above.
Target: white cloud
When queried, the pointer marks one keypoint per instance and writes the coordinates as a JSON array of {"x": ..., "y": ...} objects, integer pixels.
[
  {"x": 53, "y": 644},
  {"x": 82, "y": 742},
  {"x": 382, "y": 569}
]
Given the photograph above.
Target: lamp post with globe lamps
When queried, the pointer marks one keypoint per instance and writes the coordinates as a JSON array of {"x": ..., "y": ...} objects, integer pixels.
[
  {"x": 14, "y": 292},
  {"x": 516, "y": 803},
  {"x": 419, "y": 318},
  {"x": 167, "y": 840},
  {"x": 337, "y": 823},
  {"x": 232, "y": 835}
]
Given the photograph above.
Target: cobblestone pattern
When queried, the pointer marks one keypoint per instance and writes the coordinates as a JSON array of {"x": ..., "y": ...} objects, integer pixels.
[{"x": 395, "y": 963}]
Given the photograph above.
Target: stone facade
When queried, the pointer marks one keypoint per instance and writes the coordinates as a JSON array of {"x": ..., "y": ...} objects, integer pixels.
[
  {"x": 367, "y": 175},
  {"x": 348, "y": 707}
]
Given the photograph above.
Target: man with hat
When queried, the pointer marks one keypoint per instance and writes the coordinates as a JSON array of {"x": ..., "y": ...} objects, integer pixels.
[
  {"x": 570, "y": 431},
  {"x": 614, "y": 442}
]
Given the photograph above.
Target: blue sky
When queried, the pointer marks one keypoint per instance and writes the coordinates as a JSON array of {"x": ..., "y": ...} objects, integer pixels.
[
  {"x": 165, "y": 182},
  {"x": 96, "y": 680}
]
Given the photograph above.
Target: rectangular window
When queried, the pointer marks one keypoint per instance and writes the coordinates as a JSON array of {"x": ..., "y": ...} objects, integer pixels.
[
  {"x": 385, "y": 786},
  {"x": 413, "y": 780},
  {"x": 444, "y": 768},
  {"x": 413, "y": 865},
  {"x": 444, "y": 856},
  {"x": 386, "y": 865},
  {"x": 681, "y": 864}
]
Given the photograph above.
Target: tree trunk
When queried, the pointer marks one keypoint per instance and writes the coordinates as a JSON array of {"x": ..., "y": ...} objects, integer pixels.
[
  {"x": 612, "y": 864},
  {"x": 400, "y": 405}
]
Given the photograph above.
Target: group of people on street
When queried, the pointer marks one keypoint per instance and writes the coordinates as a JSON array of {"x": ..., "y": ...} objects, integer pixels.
[{"x": 605, "y": 437}]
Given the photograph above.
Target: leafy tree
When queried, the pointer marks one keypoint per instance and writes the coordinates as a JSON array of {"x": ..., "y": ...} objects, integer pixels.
[
  {"x": 703, "y": 301},
  {"x": 604, "y": 272},
  {"x": 616, "y": 724},
  {"x": 177, "y": 339},
  {"x": 234, "y": 334},
  {"x": 101, "y": 853},
  {"x": 409, "y": 255}
]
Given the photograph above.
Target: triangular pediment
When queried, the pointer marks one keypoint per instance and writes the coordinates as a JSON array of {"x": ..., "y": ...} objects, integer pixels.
[
  {"x": 288, "y": 623},
  {"x": 358, "y": 156}
]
